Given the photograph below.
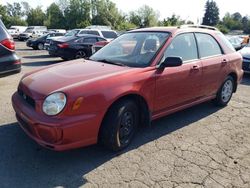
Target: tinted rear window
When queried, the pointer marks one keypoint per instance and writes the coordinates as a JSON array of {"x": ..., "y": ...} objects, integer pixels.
[{"x": 109, "y": 34}]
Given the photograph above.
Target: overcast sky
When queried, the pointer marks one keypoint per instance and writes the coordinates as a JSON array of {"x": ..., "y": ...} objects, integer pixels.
[{"x": 188, "y": 10}]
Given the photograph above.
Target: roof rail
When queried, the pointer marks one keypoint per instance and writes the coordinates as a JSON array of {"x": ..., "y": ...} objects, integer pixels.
[{"x": 199, "y": 26}]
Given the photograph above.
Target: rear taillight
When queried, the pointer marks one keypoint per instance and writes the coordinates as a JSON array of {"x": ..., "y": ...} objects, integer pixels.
[
  {"x": 63, "y": 45},
  {"x": 101, "y": 43},
  {"x": 8, "y": 43}
]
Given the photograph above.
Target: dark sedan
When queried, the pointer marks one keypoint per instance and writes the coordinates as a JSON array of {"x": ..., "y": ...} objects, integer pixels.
[
  {"x": 38, "y": 43},
  {"x": 74, "y": 47},
  {"x": 8, "y": 59},
  {"x": 245, "y": 52}
]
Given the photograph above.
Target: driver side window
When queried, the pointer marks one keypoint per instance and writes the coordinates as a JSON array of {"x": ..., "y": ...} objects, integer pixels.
[{"x": 183, "y": 46}]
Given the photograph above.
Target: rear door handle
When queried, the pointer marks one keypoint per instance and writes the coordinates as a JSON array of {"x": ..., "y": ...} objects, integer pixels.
[
  {"x": 195, "y": 67},
  {"x": 224, "y": 62}
]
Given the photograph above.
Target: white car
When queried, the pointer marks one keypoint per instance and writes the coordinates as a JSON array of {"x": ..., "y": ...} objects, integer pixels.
[
  {"x": 107, "y": 34},
  {"x": 14, "y": 31}
]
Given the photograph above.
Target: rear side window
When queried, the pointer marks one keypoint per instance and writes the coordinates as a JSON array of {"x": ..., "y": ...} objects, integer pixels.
[
  {"x": 207, "y": 45},
  {"x": 183, "y": 46},
  {"x": 109, "y": 34},
  {"x": 59, "y": 34},
  {"x": 101, "y": 39},
  {"x": 90, "y": 40},
  {"x": 84, "y": 32},
  {"x": 3, "y": 31},
  {"x": 2, "y": 25},
  {"x": 93, "y": 32}
]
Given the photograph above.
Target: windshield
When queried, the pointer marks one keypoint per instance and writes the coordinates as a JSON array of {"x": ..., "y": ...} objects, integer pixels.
[
  {"x": 71, "y": 33},
  {"x": 135, "y": 49}
]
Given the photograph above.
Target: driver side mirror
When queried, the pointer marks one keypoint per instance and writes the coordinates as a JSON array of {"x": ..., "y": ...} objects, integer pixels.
[{"x": 171, "y": 62}]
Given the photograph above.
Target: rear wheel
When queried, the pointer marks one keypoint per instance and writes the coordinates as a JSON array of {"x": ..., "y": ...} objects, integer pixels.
[
  {"x": 40, "y": 46},
  {"x": 119, "y": 125},
  {"x": 225, "y": 92},
  {"x": 80, "y": 54}
]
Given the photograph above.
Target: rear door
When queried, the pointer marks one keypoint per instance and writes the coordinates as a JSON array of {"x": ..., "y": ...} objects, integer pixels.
[
  {"x": 177, "y": 86},
  {"x": 214, "y": 63}
]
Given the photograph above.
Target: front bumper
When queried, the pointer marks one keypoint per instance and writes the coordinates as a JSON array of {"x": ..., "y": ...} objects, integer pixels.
[{"x": 57, "y": 133}]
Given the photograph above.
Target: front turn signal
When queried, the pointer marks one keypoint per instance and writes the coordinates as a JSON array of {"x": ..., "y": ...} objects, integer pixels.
[{"x": 77, "y": 103}]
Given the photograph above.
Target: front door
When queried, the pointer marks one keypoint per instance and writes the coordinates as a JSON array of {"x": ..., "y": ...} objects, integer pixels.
[{"x": 177, "y": 86}]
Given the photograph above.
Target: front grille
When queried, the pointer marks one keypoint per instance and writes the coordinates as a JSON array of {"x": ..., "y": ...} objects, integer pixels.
[
  {"x": 24, "y": 124},
  {"x": 27, "y": 98}
]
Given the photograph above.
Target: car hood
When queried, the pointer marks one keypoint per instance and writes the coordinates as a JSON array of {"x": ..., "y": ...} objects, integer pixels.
[{"x": 69, "y": 74}]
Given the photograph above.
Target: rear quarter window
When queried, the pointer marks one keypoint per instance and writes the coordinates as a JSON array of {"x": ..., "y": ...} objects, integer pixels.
[{"x": 225, "y": 41}]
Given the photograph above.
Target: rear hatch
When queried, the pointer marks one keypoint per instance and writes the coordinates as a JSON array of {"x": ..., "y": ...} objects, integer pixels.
[{"x": 8, "y": 57}]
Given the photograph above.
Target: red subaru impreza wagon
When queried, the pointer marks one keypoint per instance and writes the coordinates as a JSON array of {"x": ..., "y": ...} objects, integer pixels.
[{"x": 140, "y": 76}]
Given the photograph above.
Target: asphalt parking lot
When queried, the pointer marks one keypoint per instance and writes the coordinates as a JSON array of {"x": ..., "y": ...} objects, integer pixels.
[{"x": 204, "y": 146}]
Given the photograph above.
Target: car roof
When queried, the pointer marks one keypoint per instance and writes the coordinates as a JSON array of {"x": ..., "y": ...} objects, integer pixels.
[
  {"x": 179, "y": 29},
  {"x": 88, "y": 35}
]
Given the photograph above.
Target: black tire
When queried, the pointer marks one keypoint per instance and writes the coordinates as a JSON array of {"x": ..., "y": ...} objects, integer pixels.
[
  {"x": 119, "y": 125},
  {"x": 80, "y": 54},
  {"x": 40, "y": 46},
  {"x": 225, "y": 92}
]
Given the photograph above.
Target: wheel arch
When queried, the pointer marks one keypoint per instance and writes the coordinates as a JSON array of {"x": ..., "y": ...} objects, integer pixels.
[
  {"x": 144, "y": 111},
  {"x": 235, "y": 78}
]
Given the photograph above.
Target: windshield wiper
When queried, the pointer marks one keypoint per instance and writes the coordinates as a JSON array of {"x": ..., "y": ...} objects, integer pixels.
[{"x": 110, "y": 62}]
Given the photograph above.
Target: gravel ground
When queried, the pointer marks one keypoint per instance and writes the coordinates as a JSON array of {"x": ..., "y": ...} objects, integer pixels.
[{"x": 203, "y": 146}]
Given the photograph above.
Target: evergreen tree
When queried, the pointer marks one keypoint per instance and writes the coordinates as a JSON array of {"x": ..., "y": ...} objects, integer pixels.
[{"x": 211, "y": 16}]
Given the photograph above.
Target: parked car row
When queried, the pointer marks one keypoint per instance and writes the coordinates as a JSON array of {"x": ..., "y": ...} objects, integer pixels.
[
  {"x": 74, "y": 47},
  {"x": 38, "y": 43},
  {"x": 78, "y": 43}
]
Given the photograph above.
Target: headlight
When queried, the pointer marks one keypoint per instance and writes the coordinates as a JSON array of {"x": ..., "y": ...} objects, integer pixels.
[{"x": 54, "y": 103}]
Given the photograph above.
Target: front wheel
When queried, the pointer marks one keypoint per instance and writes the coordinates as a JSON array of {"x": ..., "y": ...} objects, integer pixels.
[
  {"x": 119, "y": 125},
  {"x": 225, "y": 92}
]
